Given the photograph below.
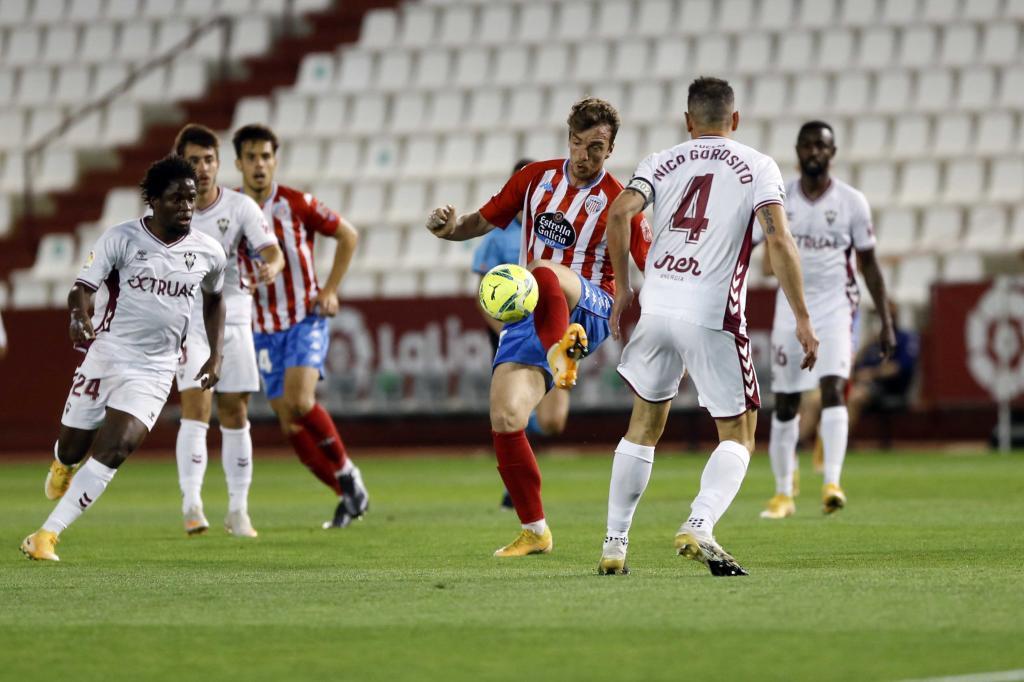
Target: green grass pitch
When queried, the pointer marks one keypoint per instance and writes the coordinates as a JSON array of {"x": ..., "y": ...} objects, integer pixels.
[{"x": 922, "y": 575}]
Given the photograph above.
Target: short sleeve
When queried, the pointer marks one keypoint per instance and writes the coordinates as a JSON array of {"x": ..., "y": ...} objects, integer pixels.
[
  {"x": 768, "y": 185},
  {"x": 483, "y": 256},
  {"x": 642, "y": 181},
  {"x": 254, "y": 226},
  {"x": 503, "y": 207},
  {"x": 861, "y": 228},
  {"x": 640, "y": 238},
  {"x": 107, "y": 254},
  {"x": 213, "y": 282},
  {"x": 319, "y": 217}
]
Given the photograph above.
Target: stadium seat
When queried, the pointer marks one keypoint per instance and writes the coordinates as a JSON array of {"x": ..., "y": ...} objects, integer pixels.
[
  {"x": 83, "y": 133},
  {"x": 893, "y": 92},
  {"x": 119, "y": 10},
  {"x": 35, "y": 86},
  {"x": 934, "y": 90},
  {"x": 940, "y": 229},
  {"x": 380, "y": 27},
  {"x": 771, "y": 94},
  {"x": 952, "y": 135},
  {"x": 851, "y": 92},
  {"x": 963, "y": 267},
  {"x": 433, "y": 71},
  {"x": 544, "y": 144},
  {"x": 251, "y": 37},
  {"x": 575, "y": 18},
  {"x": 734, "y": 16},
  {"x": 560, "y": 100},
  {"x": 551, "y": 64},
  {"x": 27, "y": 292},
  {"x": 486, "y": 109},
  {"x": 381, "y": 248},
  {"x": 418, "y": 25},
  {"x": 896, "y": 230},
  {"x": 393, "y": 71},
  {"x": 446, "y": 112},
  {"x": 12, "y": 129},
  {"x": 73, "y": 85},
  {"x": 817, "y": 15},
  {"x": 810, "y": 95},
  {"x": 959, "y": 45},
  {"x": 187, "y": 79},
  {"x": 457, "y": 26},
  {"x": 357, "y": 285},
  {"x": 150, "y": 87},
  {"x": 917, "y": 47},
  {"x": 754, "y": 54},
  {"x": 858, "y": 13},
  {"x": 356, "y": 71},
  {"x": 878, "y": 181},
  {"x": 42, "y": 123},
  {"x": 408, "y": 111},
  {"x": 343, "y": 158},
  {"x": 421, "y": 248},
  {"x": 381, "y": 158},
  {"x": 455, "y": 191},
  {"x": 869, "y": 138},
  {"x": 1016, "y": 238},
  {"x": 420, "y": 156},
  {"x": 1006, "y": 178},
  {"x": 645, "y": 104},
  {"x": 121, "y": 204},
  {"x": 5, "y": 217},
  {"x": 876, "y": 48},
  {"x": 291, "y": 115},
  {"x": 170, "y": 33},
  {"x": 499, "y": 152},
  {"x": 940, "y": 11},
  {"x": 472, "y": 67},
  {"x": 965, "y": 181},
  {"x": 300, "y": 162},
  {"x": 400, "y": 284},
  {"x": 1011, "y": 89},
  {"x": 671, "y": 59},
  {"x": 497, "y": 23},
  {"x": 23, "y": 47},
  {"x": 996, "y": 132},
  {"x": 782, "y": 141},
  {"x": 458, "y": 154},
  {"x": 986, "y": 229},
  {"x": 316, "y": 73},
  {"x": 898, "y": 12},
  {"x": 54, "y": 257},
  {"x": 712, "y": 54},
  {"x": 919, "y": 182},
  {"x": 591, "y": 62},
  {"x": 369, "y": 113},
  {"x": 796, "y": 51},
  {"x": 1000, "y": 43},
  {"x": 914, "y": 277},
  {"x": 512, "y": 63},
  {"x": 655, "y": 17},
  {"x": 14, "y": 12},
  {"x": 981, "y": 9},
  {"x": 977, "y": 89},
  {"x": 526, "y": 107},
  {"x": 535, "y": 23},
  {"x": 407, "y": 201},
  {"x": 135, "y": 42},
  {"x": 367, "y": 204},
  {"x": 910, "y": 138},
  {"x": 443, "y": 283},
  {"x": 614, "y": 18},
  {"x": 329, "y": 117},
  {"x": 60, "y": 46}
]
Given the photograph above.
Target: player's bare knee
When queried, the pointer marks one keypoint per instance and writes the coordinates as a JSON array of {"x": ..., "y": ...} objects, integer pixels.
[
  {"x": 232, "y": 410},
  {"x": 506, "y": 419},
  {"x": 551, "y": 425}
]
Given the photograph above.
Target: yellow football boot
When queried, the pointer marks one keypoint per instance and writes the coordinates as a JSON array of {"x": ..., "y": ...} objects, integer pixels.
[
  {"x": 564, "y": 355},
  {"x": 58, "y": 480},
  {"x": 779, "y": 507},
  {"x": 613, "y": 557},
  {"x": 526, "y": 543},
  {"x": 832, "y": 498},
  {"x": 707, "y": 552},
  {"x": 40, "y": 545},
  {"x": 195, "y": 521}
]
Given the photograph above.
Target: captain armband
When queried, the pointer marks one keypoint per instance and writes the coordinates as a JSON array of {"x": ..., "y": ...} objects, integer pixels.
[{"x": 643, "y": 187}]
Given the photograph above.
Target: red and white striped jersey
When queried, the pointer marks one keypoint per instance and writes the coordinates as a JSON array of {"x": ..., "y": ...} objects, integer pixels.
[
  {"x": 295, "y": 217},
  {"x": 563, "y": 223}
]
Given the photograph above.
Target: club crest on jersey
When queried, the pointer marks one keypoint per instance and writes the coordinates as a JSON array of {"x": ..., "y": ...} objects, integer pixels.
[
  {"x": 830, "y": 216},
  {"x": 190, "y": 259},
  {"x": 223, "y": 224},
  {"x": 140, "y": 254},
  {"x": 595, "y": 203},
  {"x": 554, "y": 230}
]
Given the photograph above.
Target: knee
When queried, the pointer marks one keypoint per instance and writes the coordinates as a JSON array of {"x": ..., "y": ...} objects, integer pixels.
[
  {"x": 507, "y": 419},
  {"x": 747, "y": 442},
  {"x": 832, "y": 392},
  {"x": 114, "y": 454},
  {"x": 786, "y": 406},
  {"x": 297, "y": 407},
  {"x": 551, "y": 425},
  {"x": 233, "y": 414}
]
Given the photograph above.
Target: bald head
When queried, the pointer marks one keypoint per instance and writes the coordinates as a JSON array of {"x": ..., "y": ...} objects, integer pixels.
[{"x": 710, "y": 103}]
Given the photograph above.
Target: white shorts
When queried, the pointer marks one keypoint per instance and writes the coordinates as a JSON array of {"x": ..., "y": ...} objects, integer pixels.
[
  {"x": 238, "y": 372},
  {"x": 835, "y": 354},
  {"x": 100, "y": 383},
  {"x": 662, "y": 349}
]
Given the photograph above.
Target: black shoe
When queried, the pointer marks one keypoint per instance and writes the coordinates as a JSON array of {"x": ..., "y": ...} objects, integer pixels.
[
  {"x": 506, "y": 501},
  {"x": 341, "y": 517},
  {"x": 356, "y": 499}
]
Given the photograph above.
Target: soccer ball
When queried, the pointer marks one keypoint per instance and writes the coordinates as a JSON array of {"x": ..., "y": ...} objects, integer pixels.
[{"x": 508, "y": 293}]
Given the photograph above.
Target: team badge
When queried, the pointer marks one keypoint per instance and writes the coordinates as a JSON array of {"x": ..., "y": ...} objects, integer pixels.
[
  {"x": 280, "y": 211},
  {"x": 190, "y": 260},
  {"x": 830, "y": 216},
  {"x": 595, "y": 203},
  {"x": 140, "y": 254},
  {"x": 222, "y": 225},
  {"x": 554, "y": 230}
]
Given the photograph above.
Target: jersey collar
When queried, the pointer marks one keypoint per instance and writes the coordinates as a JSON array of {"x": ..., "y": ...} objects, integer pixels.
[
  {"x": 596, "y": 181},
  {"x": 220, "y": 195},
  {"x": 142, "y": 221},
  {"x": 800, "y": 189}
]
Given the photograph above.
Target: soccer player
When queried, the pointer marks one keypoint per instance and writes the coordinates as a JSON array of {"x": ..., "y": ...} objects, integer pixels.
[
  {"x": 237, "y": 222},
  {"x": 291, "y": 314},
  {"x": 155, "y": 270},
  {"x": 564, "y": 204},
  {"x": 830, "y": 221},
  {"x": 706, "y": 192}
]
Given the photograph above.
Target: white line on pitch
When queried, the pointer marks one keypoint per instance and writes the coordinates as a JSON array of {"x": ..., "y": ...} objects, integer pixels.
[{"x": 1002, "y": 676}]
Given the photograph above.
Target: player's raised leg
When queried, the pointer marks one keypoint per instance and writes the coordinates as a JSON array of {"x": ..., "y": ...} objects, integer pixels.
[
  {"x": 559, "y": 292},
  {"x": 69, "y": 450},
  {"x": 118, "y": 437},
  {"x": 515, "y": 391},
  {"x": 835, "y": 431},
  {"x": 236, "y": 459},
  {"x": 191, "y": 453},
  {"x": 781, "y": 450},
  {"x": 631, "y": 470}
]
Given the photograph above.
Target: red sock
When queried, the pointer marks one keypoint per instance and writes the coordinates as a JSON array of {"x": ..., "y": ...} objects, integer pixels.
[
  {"x": 320, "y": 424},
  {"x": 518, "y": 469},
  {"x": 313, "y": 457},
  {"x": 551, "y": 316}
]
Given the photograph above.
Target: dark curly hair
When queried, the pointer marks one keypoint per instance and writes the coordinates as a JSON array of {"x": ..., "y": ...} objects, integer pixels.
[
  {"x": 593, "y": 111},
  {"x": 161, "y": 174}
]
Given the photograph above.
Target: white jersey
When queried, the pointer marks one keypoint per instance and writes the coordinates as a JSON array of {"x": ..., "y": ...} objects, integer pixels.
[
  {"x": 237, "y": 222},
  {"x": 826, "y": 231},
  {"x": 151, "y": 290},
  {"x": 705, "y": 192}
]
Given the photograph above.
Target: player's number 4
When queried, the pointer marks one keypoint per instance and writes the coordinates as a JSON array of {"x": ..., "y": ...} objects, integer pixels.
[
  {"x": 263, "y": 360},
  {"x": 690, "y": 216}
]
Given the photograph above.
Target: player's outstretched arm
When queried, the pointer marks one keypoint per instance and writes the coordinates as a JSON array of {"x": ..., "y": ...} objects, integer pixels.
[
  {"x": 80, "y": 302},
  {"x": 876, "y": 285},
  {"x": 786, "y": 262},
  {"x": 444, "y": 224},
  {"x": 620, "y": 216},
  {"x": 213, "y": 319},
  {"x": 272, "y": 265},
  {"x": 348, "y": 238}
]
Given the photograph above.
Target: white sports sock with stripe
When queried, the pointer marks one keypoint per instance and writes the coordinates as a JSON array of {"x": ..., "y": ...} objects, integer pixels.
[
  {"x": 191, "y": 454},
  {"x": 236, "y": 458},
  {"x": 781, "y": 448},
  {"x": 719, "y": 484},
  {"x": 86, "y": 487},
  {"x": 835, "y": 432}
]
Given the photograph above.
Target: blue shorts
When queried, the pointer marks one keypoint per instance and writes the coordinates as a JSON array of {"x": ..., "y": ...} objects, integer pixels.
[
  {"x": 303, "y": 345},
  {"x": 518, "y": 341}
]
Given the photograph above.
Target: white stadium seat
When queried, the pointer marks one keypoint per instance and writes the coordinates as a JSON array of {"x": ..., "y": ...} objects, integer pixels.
[
  {"x": 712, "y": 54},
  {"x": 356, "y": 72},
  {"x": 852, "y": 92},
  {"x": 910, "y": 137},
  {"x": 316, "y": 73},
  {"x": 897, "y": 231},
  {"x": 952, "y": 134},
  {"x": 550, "y": 64},
  {"x": 418, "y": 24},
  {"x": 1006, "y": 180},
  {"x": 136, "y": 41},
  {"x": 393, "y": 71},
  {"x": 963, "y": 267},
  {"x": 779, "y": 14},
  {"x": 919, "y": 182},
  {"x": 457, "y": 25},
  {"x": 60, "y": 45},
  {"x": 433, "y": 71},
  {"x": 913, "y": 279},
  {"x": 821, "y": 14},
  {"x": 120, "y": 205},
  {"x": 343, "y": 158},
  {"x": 917, "y": 47},
  {"x": 940, "y": 229},
  {"x": 420, "y": 156},
  {"x": 512, "y": 63},
  {"x": 123, "y": 124},
  {"x": 655, "y": 17},
  {"x": 735, "y": 16},
  {"x": 486, "y": 109},
  {"x": 878, "y": 181},
  {"x": 472, "y": 67},
  {"x": 1000, "y": 43},
  {"x": 379, "y": 28},
  {"x": 869, "y": 138},
  {"x": 120, "y": 10},
  {"x": 251, "y": 36},
  {"x": 615, "y": 18},
  {"x": 74, "y": 84},
  {"x": 368, "y": 114},
  {"x": 574, "y": 20},
  {"x": 497, "y": 23},
  {"x": 754, "y": 54},
  {"x": 964, "y": 181},
  {"x": 329, "y": 116},
  {"x": 458, "y": 153},
  {"x": 671, "y": 58},
  {"x": 535, "y": 23},
  {"x": 977, "y": 89},
  {"x": 893, "y": 92},
  {"x": 300, "y": 162},
  {"x": 858, "y": 13},
  {"x": 934, "y": 90},
  {"x": 526, "y": 107},
  {"x": 291, "y": 115},
  {"x": 876, "y": 48},
  {"x": 996, "y": 132},
  {"x": 407, "y": 201},
  {"x": 499, "y": 152},
  {"x": 986, "y": 229},
  {"x": 959, "y": 45},
  {"x": 796, "y": 51},
  {"x": 898, "y": 12},
  {"x": 381, "y": 158},
  {"x": 591, "y": 62},
  {"x": 940, "y": 11},
  {"x": 447, "y": 111}
]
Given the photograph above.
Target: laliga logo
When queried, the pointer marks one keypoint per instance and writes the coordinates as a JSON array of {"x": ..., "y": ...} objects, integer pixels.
[
  {"x": 995, "y": 341},
  {"x": 351, "y": 349}
]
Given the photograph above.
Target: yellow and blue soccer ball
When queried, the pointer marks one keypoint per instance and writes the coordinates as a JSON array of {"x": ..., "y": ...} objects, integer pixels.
[{"x": 508, "y": 293}]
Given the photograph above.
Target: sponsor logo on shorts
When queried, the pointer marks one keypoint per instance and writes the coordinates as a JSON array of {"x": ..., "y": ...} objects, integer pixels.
[{"x": 554, "y": 230}]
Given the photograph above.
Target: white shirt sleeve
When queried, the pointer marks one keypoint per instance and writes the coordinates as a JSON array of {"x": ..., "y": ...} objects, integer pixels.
[
  {"x": 213, "y": 283},
  {"x": 861, "y": 227},
  {"x": 107, "y": 254},
  {"x": 643, "y": 180},
  {"x": 768, "y": 185},
  {"x": 254, "y": 226}
]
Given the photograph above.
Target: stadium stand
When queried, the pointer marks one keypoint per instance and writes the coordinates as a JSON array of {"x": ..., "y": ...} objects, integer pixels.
[{"x": 436, "y": 98}]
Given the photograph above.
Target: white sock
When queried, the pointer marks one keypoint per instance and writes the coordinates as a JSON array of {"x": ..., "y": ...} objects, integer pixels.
[
  {"x": 346, "y": 468},
  {"x": 236, "y": 457},
  {"x": 719, "y": 484},
  {"x": 781, "y": 448},
  {"x": 835, "y": 431},
  {"x": 86, "y": 487},
  {"x": 631, "y": 470},
  {"x": 537, "y": 527},
  {"x": 191, "y": 454}
]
